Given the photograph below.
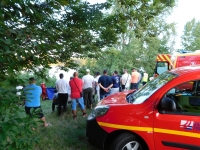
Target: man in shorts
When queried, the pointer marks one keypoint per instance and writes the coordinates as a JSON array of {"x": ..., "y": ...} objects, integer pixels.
[
  {"x": 33, "y": 94},
  {"x": 76, "y": 85},
  {"x": 135, "y": 79}
]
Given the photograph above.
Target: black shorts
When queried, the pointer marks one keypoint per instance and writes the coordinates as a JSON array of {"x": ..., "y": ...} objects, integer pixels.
[
  {"x": 37, "y": 111},
  {"x": 134, "y": 86}
]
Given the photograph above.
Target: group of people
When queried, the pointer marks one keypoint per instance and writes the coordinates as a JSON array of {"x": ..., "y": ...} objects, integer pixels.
[
  {"x": 132, "y": 81},
  {"x": 115, "y": 83},
  {"x": 75, "y": 85},
  {"x": 82, "y": 91}
]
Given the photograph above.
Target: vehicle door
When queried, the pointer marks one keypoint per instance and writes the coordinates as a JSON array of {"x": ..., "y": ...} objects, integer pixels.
[{"x": 178, "y": 126}]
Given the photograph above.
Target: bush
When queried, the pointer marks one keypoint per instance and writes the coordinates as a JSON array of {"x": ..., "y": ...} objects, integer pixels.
[{"x": 15, "y": 127}]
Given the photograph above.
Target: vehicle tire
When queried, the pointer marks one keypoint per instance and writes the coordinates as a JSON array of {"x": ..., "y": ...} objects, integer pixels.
[{"x": 128, "y": 141}]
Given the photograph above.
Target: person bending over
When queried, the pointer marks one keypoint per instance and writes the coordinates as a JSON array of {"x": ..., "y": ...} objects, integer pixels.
[{"x": 33, "y": 94}]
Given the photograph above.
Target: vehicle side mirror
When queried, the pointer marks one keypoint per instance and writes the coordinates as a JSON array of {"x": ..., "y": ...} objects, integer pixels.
[{"x": 168, "y": 104}]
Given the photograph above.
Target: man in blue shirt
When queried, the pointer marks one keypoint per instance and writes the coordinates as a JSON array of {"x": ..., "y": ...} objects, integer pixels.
[
  {"x": 116, "y": 83},
  {"x": 33, "y": 93},
  {"x": 105, "y": 84}
]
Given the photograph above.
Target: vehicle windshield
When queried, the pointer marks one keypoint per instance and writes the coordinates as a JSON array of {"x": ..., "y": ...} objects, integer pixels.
[
  {"x": 162, "y": 67},
  {"x": 141, "y": 95}
]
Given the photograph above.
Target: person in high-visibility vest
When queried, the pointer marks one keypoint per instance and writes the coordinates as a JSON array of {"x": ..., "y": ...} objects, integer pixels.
[{"x": 144, "y": 78}]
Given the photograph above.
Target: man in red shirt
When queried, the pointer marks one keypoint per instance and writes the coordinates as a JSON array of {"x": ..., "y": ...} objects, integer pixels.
[
  {"x": 76, "y": 85},
  {"x": 44, "y": 93}
]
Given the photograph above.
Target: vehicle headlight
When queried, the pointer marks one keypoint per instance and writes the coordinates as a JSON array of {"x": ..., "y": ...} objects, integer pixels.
[{"x": 100, "y": 110}]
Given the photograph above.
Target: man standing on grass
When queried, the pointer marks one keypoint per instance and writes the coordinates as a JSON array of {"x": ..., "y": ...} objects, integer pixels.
[
  {"x": 116, "y": 82},
  {"x": 62, "y": 89},
  {"x": 33, "y": 94},
  {"x": 96, "y": 79},
  {"x": 88, "y": 84},
  {"x": 44, "y": 91},
  {"x": 76, "y": 85},
  {"x": 144, "y": 78},
  {"x": 125, "y": 80},
  {"x": 105, "y": 84},
  {"x": 135, "y": 79}
]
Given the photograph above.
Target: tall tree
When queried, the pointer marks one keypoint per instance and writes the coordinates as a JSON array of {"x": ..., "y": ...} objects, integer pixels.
[
  {"x": 138, "y": 52},
  {"x": 35, "y": 33},
  {"x": 138, "y": 16},
  {"x": 38, "y": 33},
  {"x": 191, "y": 36}
]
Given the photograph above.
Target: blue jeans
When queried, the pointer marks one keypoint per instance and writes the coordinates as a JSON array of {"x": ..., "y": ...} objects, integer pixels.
[
  {"x": 79, "y": 101},
  {"x": 102, "y": 96}
]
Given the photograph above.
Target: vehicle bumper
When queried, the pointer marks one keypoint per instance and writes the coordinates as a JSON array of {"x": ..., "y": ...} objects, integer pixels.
[{"x": 95, "y": 134}]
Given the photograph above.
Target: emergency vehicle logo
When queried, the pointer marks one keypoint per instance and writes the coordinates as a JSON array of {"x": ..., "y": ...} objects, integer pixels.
[
  {"x": 187, "y": 125},
  {"x": 192, "y": 63}
]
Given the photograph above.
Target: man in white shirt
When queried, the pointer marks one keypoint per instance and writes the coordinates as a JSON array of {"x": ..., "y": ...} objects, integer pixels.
[
  {"x": 62, "y": 87},
  {"x": 19, "y": 90},
  {"x": 96, "y": 79},
  {"x": 125, "y": 80},
  {"x": 88, "y": 84}
]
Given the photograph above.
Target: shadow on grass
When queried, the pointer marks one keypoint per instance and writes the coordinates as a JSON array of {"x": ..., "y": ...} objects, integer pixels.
[{"x": 65, "y": 133}]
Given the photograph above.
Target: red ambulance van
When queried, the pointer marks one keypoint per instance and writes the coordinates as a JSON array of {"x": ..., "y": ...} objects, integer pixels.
[{"x": 162, "y": 115}]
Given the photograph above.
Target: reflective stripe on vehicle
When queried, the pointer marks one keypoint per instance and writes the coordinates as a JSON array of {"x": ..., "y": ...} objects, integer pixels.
[
  {"x": 117, "y": 126},
  {"x": 176, "y": 132},
  {"x": 164, "y": 57},
  {"x": 148, "y": 129}
]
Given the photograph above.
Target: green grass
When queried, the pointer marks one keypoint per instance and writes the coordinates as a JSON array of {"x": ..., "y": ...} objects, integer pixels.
[{"x": 65, "y": 133}]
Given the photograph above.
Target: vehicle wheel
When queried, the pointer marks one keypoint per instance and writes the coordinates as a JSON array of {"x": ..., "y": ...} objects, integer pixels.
[{"x": 127, "y": 141}]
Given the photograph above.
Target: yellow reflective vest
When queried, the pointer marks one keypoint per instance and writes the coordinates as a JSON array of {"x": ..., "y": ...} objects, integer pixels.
[{"x": 145, "y": 77}]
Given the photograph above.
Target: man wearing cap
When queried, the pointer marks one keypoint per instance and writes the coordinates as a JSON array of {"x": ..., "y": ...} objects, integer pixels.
[
  {"x": 88, "y": 84},
  {"x": 33, "y": 94},
  {"x": 62, "y": 86}
]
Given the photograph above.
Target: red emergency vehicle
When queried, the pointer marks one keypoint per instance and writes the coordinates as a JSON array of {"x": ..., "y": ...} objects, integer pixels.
[
  {"x": 162, "y": 115},
  {"x": 166, "y": 62}
]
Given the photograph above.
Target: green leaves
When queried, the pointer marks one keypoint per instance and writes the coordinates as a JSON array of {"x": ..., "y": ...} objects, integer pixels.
[
  {"x": 41, "y": 33},
  {"x": 136, "y": 52},
  {"x": 191, "y": 35},
  {"x": 15, "y": 127}
]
